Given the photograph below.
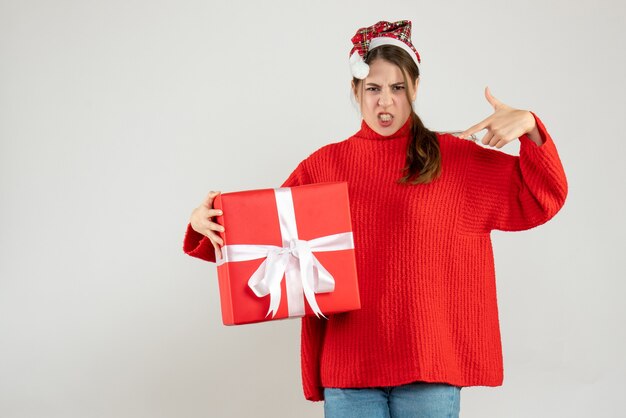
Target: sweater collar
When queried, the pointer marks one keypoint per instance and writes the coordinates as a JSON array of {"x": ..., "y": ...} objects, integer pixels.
[{"x": 368, "y": 133}]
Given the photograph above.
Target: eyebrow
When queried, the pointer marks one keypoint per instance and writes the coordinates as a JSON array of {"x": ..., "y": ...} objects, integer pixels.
[{"x": 377, "y": 85}]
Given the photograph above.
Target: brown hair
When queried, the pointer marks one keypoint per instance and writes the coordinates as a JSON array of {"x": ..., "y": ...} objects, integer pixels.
[{"x": 423, "y": 157}]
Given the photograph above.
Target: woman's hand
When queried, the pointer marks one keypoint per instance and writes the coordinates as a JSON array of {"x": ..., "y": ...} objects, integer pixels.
[
  {"x": 505, "y": 124},
  {"x": 201, "y": 221}
]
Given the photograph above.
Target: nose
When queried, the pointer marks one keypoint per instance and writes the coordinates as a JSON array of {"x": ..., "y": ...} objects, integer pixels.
[{"x": 385, "y": 98}]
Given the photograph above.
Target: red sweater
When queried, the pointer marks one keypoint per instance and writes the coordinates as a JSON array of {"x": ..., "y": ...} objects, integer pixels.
[{"x": 424, "y": 258}]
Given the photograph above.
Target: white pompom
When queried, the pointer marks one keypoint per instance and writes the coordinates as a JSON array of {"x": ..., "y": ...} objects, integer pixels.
[
  {"x": 360, "y": 70},
  {"x": 358, "y": 67}
]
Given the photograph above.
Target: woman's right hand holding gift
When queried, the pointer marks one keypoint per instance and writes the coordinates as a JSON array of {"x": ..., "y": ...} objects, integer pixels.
[{"x": 202, "y": 222}]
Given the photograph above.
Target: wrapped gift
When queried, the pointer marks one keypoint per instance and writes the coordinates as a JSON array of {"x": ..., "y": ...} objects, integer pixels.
[{"x": 288, "y": 252}]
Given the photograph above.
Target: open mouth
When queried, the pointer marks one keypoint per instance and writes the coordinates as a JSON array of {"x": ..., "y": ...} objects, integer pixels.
[{"x": 385, "y": 117}]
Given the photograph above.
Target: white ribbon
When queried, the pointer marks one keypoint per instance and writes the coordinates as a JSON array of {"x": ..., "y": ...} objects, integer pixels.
[{"x": 295, "y": 260}]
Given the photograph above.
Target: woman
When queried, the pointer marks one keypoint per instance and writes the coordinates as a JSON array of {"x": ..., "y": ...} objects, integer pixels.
[{"x": 423, "y": 204}]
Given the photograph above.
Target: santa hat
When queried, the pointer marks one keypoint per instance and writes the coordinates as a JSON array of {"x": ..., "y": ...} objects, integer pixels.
[{"x": 382, "y": 33}]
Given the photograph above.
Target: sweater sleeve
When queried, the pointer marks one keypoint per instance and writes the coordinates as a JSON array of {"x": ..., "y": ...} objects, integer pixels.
[
  {"x": 514, "y": 193},
  {"x": 197, "y": 245}
]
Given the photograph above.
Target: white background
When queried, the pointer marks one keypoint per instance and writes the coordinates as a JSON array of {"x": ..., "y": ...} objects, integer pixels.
[{"x": 117, "y": 118}]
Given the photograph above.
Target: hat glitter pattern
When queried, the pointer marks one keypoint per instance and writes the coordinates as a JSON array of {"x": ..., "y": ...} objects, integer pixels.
[{"x": 382, "y": 33}]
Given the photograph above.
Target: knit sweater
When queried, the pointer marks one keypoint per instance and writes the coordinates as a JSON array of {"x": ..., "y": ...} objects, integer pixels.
[{"x": 424, "y": 258}]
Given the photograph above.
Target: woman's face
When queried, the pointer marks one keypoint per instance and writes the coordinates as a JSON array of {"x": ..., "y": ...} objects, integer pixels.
[{"x": 384, "y": 105}]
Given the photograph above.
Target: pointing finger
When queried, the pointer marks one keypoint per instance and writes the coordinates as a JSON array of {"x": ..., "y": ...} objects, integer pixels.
[{"x": 475, "y": 128}]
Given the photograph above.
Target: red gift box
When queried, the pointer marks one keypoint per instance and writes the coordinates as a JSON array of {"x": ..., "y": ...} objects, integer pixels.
[{"x": 287, "y": 252}]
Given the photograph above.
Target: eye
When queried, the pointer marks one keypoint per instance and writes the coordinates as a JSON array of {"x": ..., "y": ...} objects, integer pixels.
[
  {"x": 399, "y": 87},
  {"x": 371, "y": 88}
]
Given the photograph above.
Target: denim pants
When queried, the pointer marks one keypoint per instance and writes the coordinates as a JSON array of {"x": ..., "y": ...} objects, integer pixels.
[{"x": 414, "y": 400}]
